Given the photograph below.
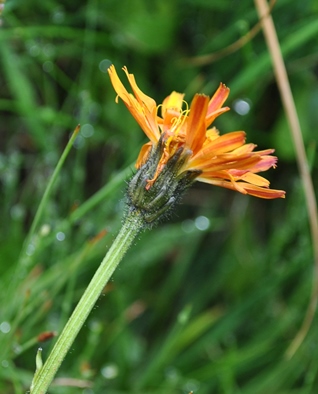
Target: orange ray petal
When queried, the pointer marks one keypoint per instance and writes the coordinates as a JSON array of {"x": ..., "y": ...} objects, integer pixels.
[
  {"x": 264, "y": 164},
  {"x": 216, "y": 102},
  {"x": 140, "y": 96},
  {"x": 195, "y": 135},
  {"x": 144, "y": 113},
  {"x": 222, "y": 160},
  {"x": 225, "y": 143},
  {"x": 241, "y": 164},
  {"x": 254, "y": 179},
  {"x": 212, "y": 134},
  {"x": 143, "y": 154},
  {"x": 265, "y": 152},
  {"x": 235, "y": 176},
  {"x": 245, "y": 188},
  {"x": 218, "y": 98},
  {"x": 269, "y": 194},
  {"x": 246, "y": 148},
  {"x": 118, "y": 86},
  {"x": 215, "y": 114}
]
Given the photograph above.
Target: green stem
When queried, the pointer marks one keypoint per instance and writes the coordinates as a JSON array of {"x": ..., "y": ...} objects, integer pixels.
[{"x": 132, "y": 225}]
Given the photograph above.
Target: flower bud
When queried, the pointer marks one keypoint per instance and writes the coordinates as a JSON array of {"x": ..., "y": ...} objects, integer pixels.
[{"x": 154, "y": 197}]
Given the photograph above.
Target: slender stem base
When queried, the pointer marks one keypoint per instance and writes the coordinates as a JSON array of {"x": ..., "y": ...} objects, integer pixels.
[{"x": 132, "y": 225}]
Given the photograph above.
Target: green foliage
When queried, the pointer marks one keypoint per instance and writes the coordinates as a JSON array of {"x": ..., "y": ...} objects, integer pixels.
[{"x": 208, "y": 301}]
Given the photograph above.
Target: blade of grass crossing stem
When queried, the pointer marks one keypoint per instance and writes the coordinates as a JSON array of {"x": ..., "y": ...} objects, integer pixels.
[
  {"x": 51, "y": 183},
  {"x": 28, "y": 239}
]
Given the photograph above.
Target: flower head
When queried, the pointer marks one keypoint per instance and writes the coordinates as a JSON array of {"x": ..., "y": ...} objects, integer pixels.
[{"x": 184, "y": 147}]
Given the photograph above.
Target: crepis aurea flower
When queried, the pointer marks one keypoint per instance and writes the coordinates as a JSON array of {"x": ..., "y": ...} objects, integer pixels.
[{"x": 184, "y": 148}]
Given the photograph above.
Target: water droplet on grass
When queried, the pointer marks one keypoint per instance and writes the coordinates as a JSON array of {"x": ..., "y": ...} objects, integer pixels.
[
  {"x": 58, "y": 16},
  {"x": 17, "y": 212},
  {"x": 242, "y": 107},
  {"x": 4, "y": 363},
  {"x": 48, "y": 66},
  {"x": 87, "y": 130},
  {"x": 60, "y": 236},
  {"x": 34, "y": 50},
  {"x": 30, "y": 249},
  {"x": 110, "y": 371},
  {"x": 188, "y": 226},
  {"x": 45, "y": 230},
  {"x": 79, "y": 142},
  {"x": 5, "y": 327},
  {"x": 104, "y": 65},
  {"x": 202, "y": 223}
]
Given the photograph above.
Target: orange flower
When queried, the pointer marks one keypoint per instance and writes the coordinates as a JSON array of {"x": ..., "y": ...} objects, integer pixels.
[{"x": 219, "y": 160}]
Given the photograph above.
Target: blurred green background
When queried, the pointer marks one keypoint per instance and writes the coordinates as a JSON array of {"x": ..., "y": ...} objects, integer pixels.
[{"x": 210, "y": 300}]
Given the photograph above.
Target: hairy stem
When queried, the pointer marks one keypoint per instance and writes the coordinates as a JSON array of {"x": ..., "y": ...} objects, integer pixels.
[{"x": 44, "y": 376}]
